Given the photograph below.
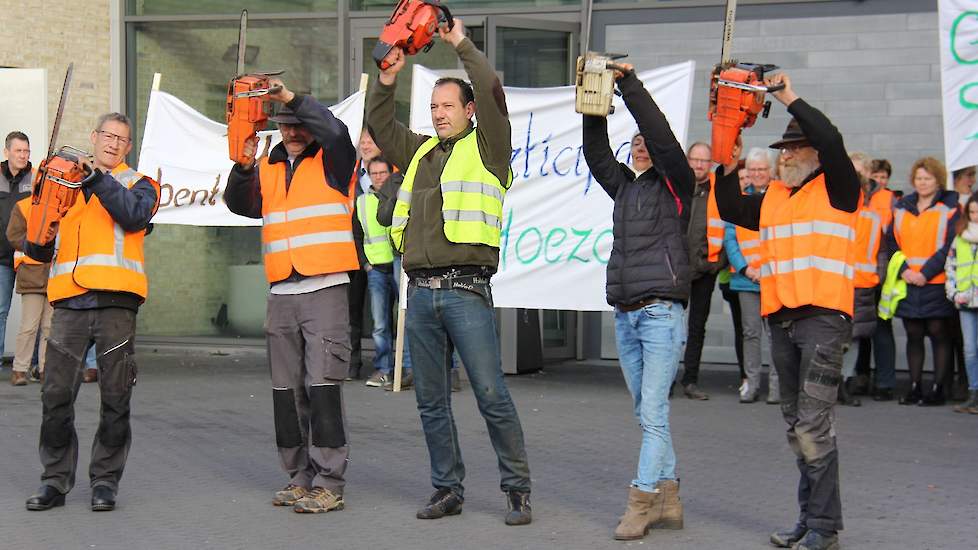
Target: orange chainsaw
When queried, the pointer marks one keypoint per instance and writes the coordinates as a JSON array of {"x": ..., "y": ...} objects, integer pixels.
[
  {"x": 736, "y": 94},
  {"x": 59, "y": 178},
  {"x": 247, "y": 103},
  {"x": 411, "y": 28}
]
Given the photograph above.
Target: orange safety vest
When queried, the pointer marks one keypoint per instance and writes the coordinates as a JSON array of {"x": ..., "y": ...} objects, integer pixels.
[
  {"x": 94, "y": 252},
  {"x": 808, "y": 249},
  {"x": 308, "y": 228},
  {"x": 873, "y": 221},
  {"x": 24, "y": 205},
  {"x": 749, "y": 242},
  {"x": 921, "y": 236},
  {"x": 714, "y": 224}
]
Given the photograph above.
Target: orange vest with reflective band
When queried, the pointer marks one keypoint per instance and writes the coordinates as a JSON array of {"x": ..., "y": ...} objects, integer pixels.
[
  {"x": 308, "y": 228},
  {"x": 24, "y": 205},
  {"x": 873, "y": 221},
  {"x": 750, "y": 246},
  {"x": 808, "y": 249},
  {"x": 714, "y": 224},
  {"x": 94, "y": 252},
  {"x": 920, "y": 236}
]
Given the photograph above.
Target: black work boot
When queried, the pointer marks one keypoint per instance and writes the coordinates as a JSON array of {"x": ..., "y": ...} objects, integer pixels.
[
  {"x": 813, "y": 540},
  {"x": 858, "y": 385},
  {"x": 519, "y": 507},
  {"x": 788, "y": 538},
  {"x": 103, "y": 498},
  {"x": 844, "y": 398},
  {"x": 443, "y": 502},
  {"x": 45, "y": 498}
]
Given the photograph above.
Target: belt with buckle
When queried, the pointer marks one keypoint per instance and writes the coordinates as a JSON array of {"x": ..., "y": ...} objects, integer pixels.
[
  {"x": 442, "y": 283},
  {"x": 642, "y": 303}
]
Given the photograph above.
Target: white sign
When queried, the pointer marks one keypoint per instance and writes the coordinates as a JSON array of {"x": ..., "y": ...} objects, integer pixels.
[
  {"x": 557, "y": 220},
  {"x": 959, "y": 80},
  {"x": 190, "y": 151}
]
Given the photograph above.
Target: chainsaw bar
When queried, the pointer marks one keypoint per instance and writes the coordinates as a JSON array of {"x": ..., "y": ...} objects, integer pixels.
[{"x": 61, "y": 110}]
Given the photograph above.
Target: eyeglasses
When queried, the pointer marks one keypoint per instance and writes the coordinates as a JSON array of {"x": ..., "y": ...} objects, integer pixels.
[
  {"x": 383, "y": 173},
  {"x": 110, "y": 137}
]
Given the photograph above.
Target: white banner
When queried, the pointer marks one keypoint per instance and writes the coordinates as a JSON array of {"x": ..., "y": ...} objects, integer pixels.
[
  {"x": 557, "y": 220},
  {"x": 191, "y": 153},
  {"x": 959, "y": 81}
]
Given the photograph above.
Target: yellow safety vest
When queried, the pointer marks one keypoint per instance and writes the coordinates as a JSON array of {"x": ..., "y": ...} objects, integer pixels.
[
  {"x": 894, "y": 287},
  {"x": 964, "y": 270},
  {"x": 472, "y": 197},
  {"x": 376, "y": 237}
]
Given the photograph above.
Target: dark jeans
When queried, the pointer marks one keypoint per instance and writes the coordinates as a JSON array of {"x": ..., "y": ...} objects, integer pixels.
[
  {"x": 733, "y": 300},
  {"x": 439, "y": 321},
  {"x": 357, "y": 297},
  {"x": 72, "y": 331},
  {"x": 882, "y": 345},
  {"x": 701, "y": 291},
  {"x": 808, "y": 355}
]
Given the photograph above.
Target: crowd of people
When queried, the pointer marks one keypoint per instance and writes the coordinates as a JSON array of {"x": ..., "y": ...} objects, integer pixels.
[{"x": 809, "y": 246}]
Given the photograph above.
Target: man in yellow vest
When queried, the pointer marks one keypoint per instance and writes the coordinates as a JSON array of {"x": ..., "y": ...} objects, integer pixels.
[
  {"x": 447, "y": 222},
  {"x": 96, "y": 284},
  {"x": 303, "y": 193},
  {"x": 378, "y": 260},
  {"x": 807, "y": 224}
]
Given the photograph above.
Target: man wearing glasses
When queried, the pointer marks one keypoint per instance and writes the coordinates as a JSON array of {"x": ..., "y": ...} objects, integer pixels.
[
  {"x": 96, "y": 285},
  {"x": 807, "y": 224}
]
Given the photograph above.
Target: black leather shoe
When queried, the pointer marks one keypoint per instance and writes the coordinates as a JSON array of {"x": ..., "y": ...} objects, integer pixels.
[
  {"x": 845, "y": 398},
  {"x": 913, "y": 396},
  {"x": 519, "y": 508},
  {"x": 45, "y": 498},
  {"x": 883, "y": 394},
  {"x": 103, "y": 499},
  {"x": 935, "y": 398},
  {"x": 444, "y": 502},
  {"x": 814, "y": 540},
  {"x": 787, "y": 539}
]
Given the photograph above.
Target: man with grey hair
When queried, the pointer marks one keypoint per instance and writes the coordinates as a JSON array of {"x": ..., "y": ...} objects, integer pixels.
[
  {"x": 96, "y": 285},
  {"x": 760, "y": 168},
  {"x": 15, "y": 184}
]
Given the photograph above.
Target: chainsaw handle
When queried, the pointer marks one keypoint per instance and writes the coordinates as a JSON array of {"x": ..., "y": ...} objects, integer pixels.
[
  {"x": 445, "y": 11},
  {"x": 775, "y": 88}
]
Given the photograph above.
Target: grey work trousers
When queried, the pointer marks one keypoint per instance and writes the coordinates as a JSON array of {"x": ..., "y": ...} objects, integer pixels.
[
  {"x": 753, "y": 327},
  {"x": 309, "y": 356},
  {"x": 112, "y": 330},
  {"x": 808, "y": 355}
]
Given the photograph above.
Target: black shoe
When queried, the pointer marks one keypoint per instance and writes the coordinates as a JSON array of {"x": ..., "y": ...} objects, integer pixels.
[
  {"x": 45, "y": 498},
  {"x": 693, "y": 392},
  {"x": 935, "y": 398},
  {"x": 444, "y": 502},
  {"x": 858, "y": 385},
  {"x": 845, "y": 399},
  {"x": 814, "y": 540},
  {"x": 103, "y": 498},
  {"x": 913, "y": 396},
  {"x": 519, "y": 507},
  {"x": 883, "y": 394},
  {"x": 787, "y": 539}
]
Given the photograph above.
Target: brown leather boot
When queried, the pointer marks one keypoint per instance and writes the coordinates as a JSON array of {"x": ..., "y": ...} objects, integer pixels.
[
  {"x": 667, "y": 509},
  {"x": 635, "y": 523},
  {"x": 18, "y": 378}
]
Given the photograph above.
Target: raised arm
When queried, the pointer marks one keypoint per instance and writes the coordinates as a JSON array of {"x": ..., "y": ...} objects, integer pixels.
[
  {"x": 606, "y": 170},
  {"x": 396, "y": 141}
]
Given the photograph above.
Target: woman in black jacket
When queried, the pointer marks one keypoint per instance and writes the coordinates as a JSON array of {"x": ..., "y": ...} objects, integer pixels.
[{"x": 648, "y": 284}]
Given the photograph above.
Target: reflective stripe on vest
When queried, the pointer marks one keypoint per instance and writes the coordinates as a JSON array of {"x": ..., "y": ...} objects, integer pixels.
[
  {"x": 869, "y": 230},
  {"x": 24, "y": 205},
  {"x": 376, "y": 237},
  {"x": 472, "y": 197},
  {"x": 714, "y": 224},
  {"x": 307, "y": 227},
  {"x": 921, "y": 236},
  {"x": 749, "y": 242},
  {"x": 894, "y": 288},
  {"x": 964, "y": 265},
  {"x": 807, "y": 248},
  {"x": 94, "y": 252}
]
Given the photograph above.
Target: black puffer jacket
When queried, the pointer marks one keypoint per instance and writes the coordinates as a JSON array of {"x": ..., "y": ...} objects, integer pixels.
[
  {"x": 864, "y": 313},
  {"x": 649, "y": 256}
]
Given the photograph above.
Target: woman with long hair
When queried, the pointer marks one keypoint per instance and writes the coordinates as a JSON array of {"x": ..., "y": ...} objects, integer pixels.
[{"x": 962, "y": 290}]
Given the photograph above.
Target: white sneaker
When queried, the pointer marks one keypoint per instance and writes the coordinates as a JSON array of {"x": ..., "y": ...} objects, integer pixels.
[{"x": 747, "y": 394}]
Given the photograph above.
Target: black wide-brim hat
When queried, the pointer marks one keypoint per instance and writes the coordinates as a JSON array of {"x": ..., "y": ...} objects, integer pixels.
[
  {"x": 792, "y": 135},
  {"x": 285, "y": 115}
]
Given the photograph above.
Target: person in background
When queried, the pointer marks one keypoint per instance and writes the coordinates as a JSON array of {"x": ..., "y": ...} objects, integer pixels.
[
  {"x": 957, "y": 377},
  {"x": 35, "y": 311},
  {"x": 923, "y": 229},
  {"x": 16, "y": 175},
  {"x": 880, "y": 170},
  {"x": 961, "y": 288},
  {"x": 733, "y": 301}
]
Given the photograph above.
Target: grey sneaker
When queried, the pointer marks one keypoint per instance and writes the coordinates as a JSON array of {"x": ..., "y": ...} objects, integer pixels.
[
  {"x": 407, "y": 381},
  {"x": 377, "y": 380},
  {"x": 317, "y": 501},
  {"x": 289, "y": 495}
]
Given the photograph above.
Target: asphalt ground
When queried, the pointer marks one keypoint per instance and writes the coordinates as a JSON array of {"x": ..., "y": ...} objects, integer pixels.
[{"x": 203, "y": 467}]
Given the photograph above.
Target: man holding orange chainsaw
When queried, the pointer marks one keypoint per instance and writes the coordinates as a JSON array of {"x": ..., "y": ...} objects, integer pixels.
[
  {"x": 807, "y": 224},
  {"x": 96, "y": 284},
  {"x": 302, "y": 193}
]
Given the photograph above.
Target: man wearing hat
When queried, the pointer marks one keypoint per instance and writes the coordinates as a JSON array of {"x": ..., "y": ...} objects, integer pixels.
[
  {"x": 302, "y": 193},
  {"x": 808, "y": 232}
]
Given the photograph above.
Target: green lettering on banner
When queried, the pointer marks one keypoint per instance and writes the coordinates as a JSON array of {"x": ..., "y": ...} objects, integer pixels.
[
  {"x": 597, "y": 240},
  {"x": 539, "y": 245},
  {"x": 573, "y": 254},
  {"x": 547, "y": 244},
  {"x": 954, "y": 37}
]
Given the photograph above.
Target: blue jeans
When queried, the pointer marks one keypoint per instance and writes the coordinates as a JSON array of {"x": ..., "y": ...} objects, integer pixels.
[
  {"x": 438, "y": 322},
  {"x": 650, "y": 342},
  {"x": 969, "y": 329},
  {"x": 7, "y": 275},
  {"x": 382, "y": 289},
  {"x": 406, "y": 360}
]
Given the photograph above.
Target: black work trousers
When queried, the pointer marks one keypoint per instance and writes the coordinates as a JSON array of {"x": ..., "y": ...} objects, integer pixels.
[
  {"x": 112, "y": 331},
  {"x": 808, "y": 355},
  {"x": 732, "y": 297},
  {"x": 700, "y": 294},
  {"x": 357, "y": 298}
]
